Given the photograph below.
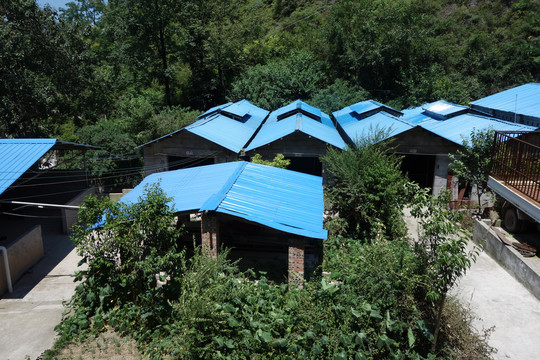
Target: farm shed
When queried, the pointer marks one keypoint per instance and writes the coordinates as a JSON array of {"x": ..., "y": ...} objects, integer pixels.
[
  {"x": 520, "y": 105},
  {"x": 35, "y": 198},
  {"x": 219, "y": 135},
  {"x": 263, "y": 213},
  {"x": 301, "y": 133}
]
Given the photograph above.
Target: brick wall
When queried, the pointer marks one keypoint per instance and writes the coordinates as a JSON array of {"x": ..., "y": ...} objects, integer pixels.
[
  {"x": 296, "y": 262},
  {"x": 210, "y": 234}
]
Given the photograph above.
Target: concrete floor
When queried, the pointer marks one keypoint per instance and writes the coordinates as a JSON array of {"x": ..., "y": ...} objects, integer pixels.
[
  {"x": 501, "y": 301},
  {"x": 29, "y": 315}
]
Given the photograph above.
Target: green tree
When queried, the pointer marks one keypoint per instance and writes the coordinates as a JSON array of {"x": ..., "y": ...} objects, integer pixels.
[
  {"x": 127, "y": 248},
  {"x": 441, "y": 249},
  {"x": 142, "y": 34},
  {"x": 471, "y": 164},
  {"x": 367, "y": 189},
  {"x": 46, "y": 77},
  {"x": 280, "y": 82},
  {"x": 338, "y": 95},
  {"x": 279, "y": 161}
]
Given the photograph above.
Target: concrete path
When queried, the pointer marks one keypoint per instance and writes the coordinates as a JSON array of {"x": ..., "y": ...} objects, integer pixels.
[
  {"x": 500, "y": 300},
  {"x": 29, "y": 315}
]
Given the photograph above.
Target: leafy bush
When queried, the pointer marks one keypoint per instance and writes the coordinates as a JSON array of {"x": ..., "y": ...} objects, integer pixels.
[
  {"x": 368, "y": 190},
  {"x": 134, "y": 246},
  {"x": 279, "y": 161}
]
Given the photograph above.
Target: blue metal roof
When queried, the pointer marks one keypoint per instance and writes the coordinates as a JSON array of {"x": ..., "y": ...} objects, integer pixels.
[
  {"x": 356, "y": 129},
  {"x": 275, "y": 127},
  {"x": 417, "y": 115},
  {"x": 218, "y": 127},
  {"x": 18, "y": 155},
  {"x": 460, "y": 127},
  {"x": 362, "y": 107},
  {"x": 298, "y": 105},
  {"x": 524, "y": 99},
  {"x": 282, "y": 199}
]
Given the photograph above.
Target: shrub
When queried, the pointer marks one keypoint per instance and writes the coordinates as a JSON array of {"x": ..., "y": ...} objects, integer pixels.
[{"x": 368, "y": 190}]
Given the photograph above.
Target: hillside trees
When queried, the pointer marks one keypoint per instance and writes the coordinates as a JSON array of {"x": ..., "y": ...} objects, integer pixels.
[{"x": 46, "y": 74}]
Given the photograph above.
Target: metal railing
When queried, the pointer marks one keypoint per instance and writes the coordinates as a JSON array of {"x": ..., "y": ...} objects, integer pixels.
[{"x": 515, "y": 160}]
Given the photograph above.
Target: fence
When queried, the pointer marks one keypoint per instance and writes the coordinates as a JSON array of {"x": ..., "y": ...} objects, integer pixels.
[{"x": 515, "y": 160}]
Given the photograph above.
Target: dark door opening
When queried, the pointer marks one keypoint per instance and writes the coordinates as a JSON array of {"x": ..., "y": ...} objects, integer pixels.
[
  {"x": 180, "y": 162},
  {"x": 306, "y": 165},
  {"x": 419, "y": 168}
]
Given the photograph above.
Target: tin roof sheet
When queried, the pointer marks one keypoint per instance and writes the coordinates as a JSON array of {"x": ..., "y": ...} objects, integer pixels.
[
  {"x": 524, "y": 99},
  {"x": 457, "y": 128},
  {"x": 273, "y": 128},
  {"x": 18, "y": 155},
  {"x": 282, "y": 199},
  {"x": 298, "y": 105},
  {"x": 356, "y": 129},
  {"x": 417, "y": 115},
  {"x": 363, "y": 107},
  {"x": 219, "y": 128}
]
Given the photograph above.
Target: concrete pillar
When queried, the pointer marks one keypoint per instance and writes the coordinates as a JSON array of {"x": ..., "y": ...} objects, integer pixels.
[
  {"x": 296, "y": 262},
  {"x": 210, "y": 234},
  {"x": 440, "y": 174}
]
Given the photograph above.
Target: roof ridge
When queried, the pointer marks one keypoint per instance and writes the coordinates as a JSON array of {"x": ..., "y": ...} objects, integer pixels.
[{"x": 215, "y": 200}]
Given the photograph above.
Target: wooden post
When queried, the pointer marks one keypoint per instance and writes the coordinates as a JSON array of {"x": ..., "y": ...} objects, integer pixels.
[
  {"x": 210, "y": 234},
  {"x": 296, "y": 262}
]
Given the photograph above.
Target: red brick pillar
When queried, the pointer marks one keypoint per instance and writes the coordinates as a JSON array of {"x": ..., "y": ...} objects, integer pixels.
[
  {"x": 296, "y": 262},
  {"x": 210, "y": 234}
]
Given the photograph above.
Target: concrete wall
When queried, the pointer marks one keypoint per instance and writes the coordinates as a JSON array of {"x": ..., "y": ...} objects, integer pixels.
[
  {"x": 23, "y": 253},
  {"x": 507, "y": 257},
  {"x": 69, "y": 216}
]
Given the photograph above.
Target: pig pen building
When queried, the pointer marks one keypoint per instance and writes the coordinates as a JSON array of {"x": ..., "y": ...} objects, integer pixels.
[
  {"x": 270, "y": 218},
  {"x": 219, "y": 135}
]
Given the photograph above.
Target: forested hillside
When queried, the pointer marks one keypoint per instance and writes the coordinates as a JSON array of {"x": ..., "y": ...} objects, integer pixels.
[{"x": 126, "y": 71}]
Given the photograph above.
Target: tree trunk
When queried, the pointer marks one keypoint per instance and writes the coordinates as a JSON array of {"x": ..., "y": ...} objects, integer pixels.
[{"x": 438, "y": 323}]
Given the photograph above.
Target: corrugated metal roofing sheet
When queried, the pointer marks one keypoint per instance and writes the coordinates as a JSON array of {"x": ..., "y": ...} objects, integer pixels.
[
  {"x": 232, "y": 134},
  {"x": 298, "y": 105},
  {"x": 362, "y": 107},
  {"x": 460, "y": 127},
  {"x": 417, "y": 115},
  {"x": 281, "y": 199},
  {"x": 356, "y": 129},
  {"x": 18, "y": 155},
  {"x": 524, "y": 99},
  {"x": 273, "y": 129}
]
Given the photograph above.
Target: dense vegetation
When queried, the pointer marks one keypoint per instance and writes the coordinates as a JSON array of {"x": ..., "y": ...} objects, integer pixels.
[
  {"x": 385, "y": 296},
  {"x": 138, "y": 67}
]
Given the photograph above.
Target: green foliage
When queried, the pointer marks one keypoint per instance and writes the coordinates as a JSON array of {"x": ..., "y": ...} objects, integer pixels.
[
  {"x": 280, "y": 82},
  {"x": 369, "y": 307},
  {"x": 111, "y": 165},
  {"x": 472, "y": 163},
  {"x": 441, "y": 249},
  {"x": 279, "y": 161},
  {"x": 338, "y": 95},
  {"x": 133, "y": 247},
  {"x": 46, "y": 76},
  {"x": 368, "y": 190}
]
